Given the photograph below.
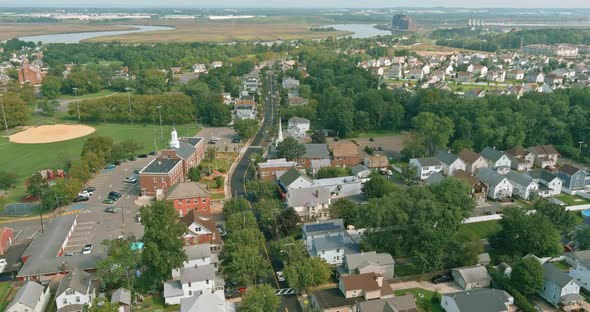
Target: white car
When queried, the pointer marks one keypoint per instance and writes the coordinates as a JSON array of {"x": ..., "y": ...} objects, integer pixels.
[
  {"x": 87, "y": 249},
  {"x": 85, "y": 193},
  {"x": 130, "y": 180},
  {"x": 280, "y": 276},
  {"x": 214, "y": 138}
]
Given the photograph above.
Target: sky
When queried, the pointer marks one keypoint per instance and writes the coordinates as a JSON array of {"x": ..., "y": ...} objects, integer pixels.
[{"x": 302, "y": 3}]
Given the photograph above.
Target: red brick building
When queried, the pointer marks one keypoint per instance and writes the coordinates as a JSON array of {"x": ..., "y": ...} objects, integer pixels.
[
  {"x": 190, "y": 196},
  {"x": 30, "y": 74},
  {"x": 6, "y": 239},
  {"x": 201, "y": 230},
  {"x": 159, "y": 175},
  {"x": 267, "y": 170},
  {"x": 345, "y": 154}
]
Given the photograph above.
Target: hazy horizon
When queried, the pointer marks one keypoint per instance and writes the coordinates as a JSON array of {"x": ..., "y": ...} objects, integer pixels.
[{"x": 528, "y": 4}]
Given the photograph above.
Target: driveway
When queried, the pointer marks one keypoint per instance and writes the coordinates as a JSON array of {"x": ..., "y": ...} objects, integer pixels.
[{"x": 443, "y": 288}]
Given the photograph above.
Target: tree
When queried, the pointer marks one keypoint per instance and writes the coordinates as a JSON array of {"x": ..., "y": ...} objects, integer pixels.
[
  {"x": 37, "y": 185},
  {"x": 101, "y": 146},
  {"x": 7, "y": 179},
  {"x": 61, "y": 193},
  {"x": 162, "y": 251},
  {"x": 194, "y": 174},
  {"x": 582, "y": 238},
  {"x": 246, "y": 128},
  {"x": 104, "y": 306},
  {"x": 151, "y": 81},
  {"x": 260, "y": 298},
  {"x": 332, "y": 172},
  {"x": 247, "y": 264},
  {"x": 561, "y": 218},
  {"x": 527, "y": 276},
  {"x": 291, "y": 149},
  {"x": 377, "y": 186},
  {"x": 262, "y": 189},
  {"x": 288, "y": 249},
  {"x": 409, "y": 173},
  {"x": 16, "y": 110},
  {"x": 234, "y": 205},
  {"x": 80, "y": 170},
  {"x": 51, "y": 87},
  {"x": 118, "y": 268},
  {"x": 318, "y": 137},
  {"x": 308, "y": 272},
  {"x": 466, "y": 250},
  {"x": 289, "y": 220},
  {"x": 49, "y": 107},
  {"x": 344, "y": 209},
  {"x": 435, "y": 131},
  {"x": 218, "y": 182}
]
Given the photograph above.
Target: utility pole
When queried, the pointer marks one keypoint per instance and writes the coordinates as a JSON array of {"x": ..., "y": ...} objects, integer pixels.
[
  {"x": 123, "y": 215},
  {"x": 77, "y": 103},
  {"x": 129, "y": 101},
  {"x": 581, "y": 142},
  {"x": 4, "y": 115},
  {"x": 159, "y": 107}
]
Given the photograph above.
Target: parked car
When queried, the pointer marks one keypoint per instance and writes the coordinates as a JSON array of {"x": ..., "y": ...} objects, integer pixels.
[
  {"x": 130, "y": 180},
  {"x": 115, "y": 194},
  {"x": 111, "y": 166},
  {"x": 85, "y": 193},
  {"x": 81, "y": 199},
  {"x": 371, "y": 140},
  {"x": 69, "y": 254},
  {"x": 221, "y": 229},
  {"x": 236, "y": 139},
  {"x": 142, "y": 156},
  {"x": 152, "y": 153},
  {"x": 108, "y": 201},
  {"x": 131, "y": 158},
  {"x": 111, "y": 209},
  {"x": 442, "y": 278},
  {"x": 138, "y": 217},
  {"x": 280, "y": 276},
  {"x": 117, "y": 163},
  {"x": 87, "y": 249},
  {"x": 89, "y": 189},
  {"x": 214, "y": 138},
  {"x": 212, "y": 142}
]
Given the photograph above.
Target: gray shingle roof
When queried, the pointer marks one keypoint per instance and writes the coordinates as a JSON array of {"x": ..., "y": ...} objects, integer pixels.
[
  {"x": 323, "y": 227},
  {"x": 158, "y": 165},
  {"x": 354, "y": 261},
  {"x": 187, "y": 190},
  {"x": 519, "y": 178},
  {"x": 397, "y": 303},
  {"x": 121, "y": 295},
  {"x": 173, "y": 289},
  {"x": 555, "y": 275},
  {"x": 429, "y": 161},
  {"x": 473, "y": 274},
  {"x": 328, "y": 243},
  {"x": 583, "y": 256},
  {"x": 202, "y": 273},
  {"x": 434, "y": 178},
  {"x": 316, "y": 151},
  {"x": 27, "y": 295},
  {"x": 491, "y": 154},
  {"x": 185, "y": 150},
  {"x": 358, "y": 169},
  {"x": 490, "y": 177},
  {"x": 446, "y": 157},
  {"x": 77, "y": 280},
  {"x": 192, "y": 140},
  {"x": 481, "y": 300},
  {"x": 198, "y": 251},
  {"x": 311, "y": 196}
]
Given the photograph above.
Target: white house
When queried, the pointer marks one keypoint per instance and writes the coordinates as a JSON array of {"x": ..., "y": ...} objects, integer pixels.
[
  {"x": 580, "y": 270},
  {"x": 495, "y": 300},
  {"x": 210, "y": 302},
  {"x": 333, "y": 249},
  {"x": 395, "y": 71},
  {"x": 32, "y": 297},
  {"x": 498, "y": 185},
  {"x": 521, "y": 158},
  {"x": 497, "y": 160},
  {"x": 426, "y": 166},
  {"x": 313, "y": 230},
  {"x": 298, "y": 127},
  {"x": 310, "y": 203},
  {"x": 549, "y": 184},
  {"x": 559, "y": 289},
  {"x": 496, "y": 75},
  {"x": 197, "y": 256},
  {"x": 522, "y": 185},
  {"x": 416, "y": 73},
  {"x": 293, "y": 179},
  {"x": 472, "y": 277},
  {"x": 515, "y": 74},
  {"x": 75, "y": 290},
  {"x": 535, "y": 77},
  {"x": 450, "y": 162},
  {"x": 473, "y": 161},
  {"x": 191, "y": 282}
]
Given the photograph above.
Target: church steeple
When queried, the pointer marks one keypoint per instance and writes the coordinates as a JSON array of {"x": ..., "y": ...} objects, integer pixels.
[
  {"x": 280, "y": 135},
  {"x": 174, "y": 143}
]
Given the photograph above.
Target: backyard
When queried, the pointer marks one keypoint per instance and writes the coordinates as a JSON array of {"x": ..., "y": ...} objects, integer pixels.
[
  {"x": 572, "y": 200},
  {"x": 482, "y": 230},
  {"x": 423, "y": 299}
]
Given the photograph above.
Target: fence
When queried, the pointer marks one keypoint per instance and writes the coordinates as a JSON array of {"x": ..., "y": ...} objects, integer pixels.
[
  {"x": 20, "y": 209},
  {"x": 577, "y": 207},
  {"x": 482, "y": 218}
]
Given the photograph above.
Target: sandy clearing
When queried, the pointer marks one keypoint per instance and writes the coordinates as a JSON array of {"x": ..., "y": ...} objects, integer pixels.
[{"x": 51, "y": 133}]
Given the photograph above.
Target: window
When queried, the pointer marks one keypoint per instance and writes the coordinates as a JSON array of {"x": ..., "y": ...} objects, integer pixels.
[
  {"x": 188, "y": 201},
  {"x": 190, "y": 292},
  {"x": 189, "y": 284},
  {"x": 198, "y": 229},
  {"x": 207, "y": 282},
  {"x": 65, "y": 301},
  {"x": 204, "y": 200},
  {"x": 337, "y": 250},
  {"x": 77, "y": 299},
  {"x": 195, "y": 201}
]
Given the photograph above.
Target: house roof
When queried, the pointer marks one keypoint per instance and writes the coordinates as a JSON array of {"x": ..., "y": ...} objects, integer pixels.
[
  {"x": 490, "y": 177},
  {"x": 397, "y": 303},
  {"x": 210, "y": 302},
  {"x": 198, "y": 251},
  {"x": 481, "y": 300},
  {"x": 519, "y": 178},
  {"x": 358, "y": 169},
  {"x": 360, "y": 260},
  {"x": 378, "y": 160},
  {"x": 543, "y": 149},
  {"x": 568, "y": 169},
  {"x": 121, "y": 295},
  {"x": 328, "y": 243},
  {"x": 428, "y": 161},
  {"x": 310, "y": 196},
  {"x": 187, "y": 190},
  {"x": 434, "y": 178},
  {"x": 323, "y": 227},
  {"x": 320, "y": 163},
  {"x": 582, "y": 256},
  {"x": 446, "y": 157},
  {"x": 469, "y": 156},
  {"x": 277, "y": 163},
  {"x": 291, "y": 175},
  {"x": 298, "y": 120},
  {"x": 491, "y": 154},
  {"x": 464, "y": 176},
  {"x": 161, "y": 165},
  {"x": 315, "y": 150},
  {"x": 198, "y": 274},
  {"x": 517, "y": 151},
  {"x": 27, "y": 295},
  {"x": 365, "y": 281},
  {"x": 173, "y": 289},
  {"x": 344, "y": 149},
  {"x": 553, "y": 274},
  {"x": 473, "y": 273},
  {"x": 184, "y": 150},
  {"x": 542, "y": 174},
  {"x": 77, "y": 280},
  {"x": 333, "y": 298},
  {"x": 72, "y": 308},
  {"x": 192, "y": 140}
]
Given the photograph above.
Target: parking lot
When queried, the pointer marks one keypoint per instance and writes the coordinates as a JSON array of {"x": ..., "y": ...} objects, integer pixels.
[{"x": 225, "y": 136}]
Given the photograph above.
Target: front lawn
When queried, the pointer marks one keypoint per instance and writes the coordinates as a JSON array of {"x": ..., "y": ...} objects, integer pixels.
[
  {"x": 423, "y": 299},
  {"x": 482, "y": 230}
]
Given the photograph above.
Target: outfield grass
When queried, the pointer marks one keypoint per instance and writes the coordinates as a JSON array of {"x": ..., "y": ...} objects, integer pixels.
[
  {"x": 423, "y": 299},
  {"x": 98, "y": 94},
  {"x": 26, "y": 159},
  {"x": 480, "y": 229}
]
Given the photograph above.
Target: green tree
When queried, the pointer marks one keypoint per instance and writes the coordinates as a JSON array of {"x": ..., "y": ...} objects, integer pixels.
[
  {"x": 262, "y": 189},
  {"x": 61, "y": 193},
  {"x": 377, "y": 187},
  {"x": 318, "y": 137},
  {"x": 562, "y": 219},
  {"x": 332, "y": 172},
  {"x": 235, "y": 205},
  {"x": 246, "y": 128},
  {"x": 308, "y": 272},
  {"x": 288, "y": 220},
  {"x": 7, "y": 179},
  {"x": 80, "y": 170},
  {"x": 194, "y": 174},
  {"x": 37, "y": 185},
  {"x": 291, "y": 149},
  {"x": 527, "y": 276},
  {"x": 260, "y": 298},
  {"x": 118, "y": 268},
  {"x": 16, "y": 110},
  {"x": 218, "y": 182},
  {"x": 151, "y": 81},
  {"x": 104, "y": 306},
  {"x": 344, "y": 209},
  {"x": 163, "y": 242},
  {"x": 582, "y": 238},
  {"x": 288, "y": 249},
  {"x": 101, "y": 146},
  {"x": 49, "y": 107},
  {"x": 51, "y": 87},
  {"x": 435, "y": 131},
  {"x": 409, "y": 173},
  {"x": 247, "y": 265}
]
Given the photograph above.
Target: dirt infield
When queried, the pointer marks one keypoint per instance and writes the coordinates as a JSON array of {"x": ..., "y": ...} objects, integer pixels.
[{"x": 51, "y": 133}]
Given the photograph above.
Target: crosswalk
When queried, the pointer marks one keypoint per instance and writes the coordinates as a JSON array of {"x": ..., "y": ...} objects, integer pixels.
[{"x": 285, "y": 291}]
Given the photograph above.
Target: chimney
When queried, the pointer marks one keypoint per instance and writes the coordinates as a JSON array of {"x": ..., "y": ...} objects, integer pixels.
[
  {"x": 64, "y": 267},
  {"x": 379, "y": 280},
  {"x": 159, "y": 162}
]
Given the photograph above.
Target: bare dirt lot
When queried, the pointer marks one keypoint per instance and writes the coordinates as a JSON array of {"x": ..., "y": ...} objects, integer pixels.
[
  {"x": 51, "y": 133},
  {"x": 392, "y": 144}
]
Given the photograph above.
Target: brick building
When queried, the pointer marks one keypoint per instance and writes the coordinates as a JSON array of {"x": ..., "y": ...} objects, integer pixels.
[
  {"x": 268, "y": 170},
  {"x": 190, "y": 196},
  {"x": 6, "y": 239},
  {"x": 345, "y": 154},
  {"x": 201, "y": 230},
  {"x": 30, "y": 74}
]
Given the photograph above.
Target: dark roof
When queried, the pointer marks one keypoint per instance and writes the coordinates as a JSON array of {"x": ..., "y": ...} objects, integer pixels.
[
  {"x": 398, "y": 304},
  {"x": 468, "y": 156},
  {"x": 568, "y": 169},
  {"x": 446, "y": 157},
  {"x": 542, "y": 174},
  {"x": 321, "y": 227},
  {"x": 543, "y": 149},
  {"x": 366, "y": 282},
  {"x": 490, "y": 177},
  {"x": 464, "y": 176},
  {"x": 555, "y": 275},
  {"x": 491, "y": 154},
  {"x": 429, "y": 161},
  {"x": 161, "y": 165},
  {"x": 291, "y": 175},
  {"x": 434, "y": 178},
  {"x": 77, "y": 280},
  {"x": 184, "y": 150},
  {"x": 358, "y": 169},
  {"x": 316, "y": 151},
  {"x": 517, "y": 151},
  {"x": 333, "y": 298},
  {"x": 481, "y": 300},
  {"x": 192, "y": 140}
]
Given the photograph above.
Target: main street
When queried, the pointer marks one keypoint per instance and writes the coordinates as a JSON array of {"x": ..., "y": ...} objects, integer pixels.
[{"x": 238, "y": 178}]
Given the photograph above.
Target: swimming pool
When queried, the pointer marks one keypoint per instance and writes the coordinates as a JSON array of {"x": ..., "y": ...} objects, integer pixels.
[{"x": 586, "y": 213}]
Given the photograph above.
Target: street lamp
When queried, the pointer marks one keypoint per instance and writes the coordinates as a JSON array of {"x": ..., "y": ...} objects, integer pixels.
[
  {"x": 159, "y": 107},
  {"x": 581, "y": 142},
  {"x": 77, "y": 103},
  {"x": 129, "y": 101},
  {"x": 4, "y": 115}
]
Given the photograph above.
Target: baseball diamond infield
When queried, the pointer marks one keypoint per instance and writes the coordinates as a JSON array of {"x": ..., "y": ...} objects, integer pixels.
[{"x": 51, "y": 133}]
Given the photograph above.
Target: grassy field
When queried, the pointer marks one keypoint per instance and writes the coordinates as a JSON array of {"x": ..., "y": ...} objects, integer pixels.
[
  {"x": 481, "y": 229},
  {"x": 4, "y": 292},
  {"x": 572, "y": 200},
  {"x": 263, "y": 29},
  {"x": 377, "y": 133},
  {"x": 26, "y": 159},
  {"x": 423, "y": 299},
  {"x": 11, "y": 30},
  {"x": 98, "y": 94}
]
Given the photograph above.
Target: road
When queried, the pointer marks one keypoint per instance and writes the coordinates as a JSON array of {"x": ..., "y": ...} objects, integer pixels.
[{"x": 238, "y": 178}]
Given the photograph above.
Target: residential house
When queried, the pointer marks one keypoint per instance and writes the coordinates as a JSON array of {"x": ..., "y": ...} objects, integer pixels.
[
  {"x": 545, "y": 155},
  {"x": 574, "y": 179},
  {"x": 313, "y": 151},
  {"x": 187, "y": 196},
  {"x": 297, "y": 101},
  {"x": 215, "y": 64},
  {"x": 298, "y": 127},
  {"x": 333, "y": 249},
  {"x": 549, "y": 183},
  {"x": 199, "y": 69},
  {"x": 192, "y": 281},
  {"x": 245, "y": 109},
  {"x": 367, "y": 262},
  {"x": 475, "y": 93},
  {"x": 497, "y": 160},
  {"x": 317, "y": 164},
  {"x": 344, "y": 154},
  {"x": 197, "y": 256},
  {"x": 361, "y": 171},
  {"x": 294, "y": 179},
  {"x": 210, "y": 302},
  {"x": 531, "y": 87},
  {"x": 311, "y": 203},
  {"x": 416, "y": 73},
  {"x": 376, "y": 162},
  {"x": 497, "y": 75},
  {"x": 499, "y": 187},
  {"x": 481, "y": 300},
  {"x": 121, "y": 298},
  {"x": 478, "y": 70},
  {"x": 450, "y": 162},
  {"x": 520, "y": 158},
  {"x": 395, "y": 71},
  {"x": 464, "y": 77},
  {"x": 434, "y": 178},
  {"x": 30, "y": 74},
  {"x": 522, "y": 185},
  {"x": 290, "y": 83},
  {"x": 404, "y": 303},
  {"x": 449, "y": 69},
  {"x": 439, "y": 74},
  {"x": 367, "y": 285},
  {"x": 31, "y": 297},
  {"x": 6, "y": 239},
  {"x": 313, "y": 230},
  {"x": 472, "y": 277},
  {"x": 580, "y": 270},
  {"x": 473, "y": 161},
  {"x": 535, "y": 77},
  {"x": 201, "y": 230},
  {"x": 74, "y": 292},
  {"x": 515, "y": 74},
  {"x": 268, "y": 170},
  {"x": 553, "y": 79},
  {"x": 426, "y": 166},
  {"x": 478, "y": 190},
  {"x": 559, "y": 288}
]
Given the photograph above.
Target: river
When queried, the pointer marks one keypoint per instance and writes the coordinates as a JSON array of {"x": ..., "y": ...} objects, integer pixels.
[
  {"x": 361, "y": 30},
  {"x": 77, "y": 37}
]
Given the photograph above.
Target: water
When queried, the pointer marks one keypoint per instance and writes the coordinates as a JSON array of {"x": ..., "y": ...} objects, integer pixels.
[
  {"x": 77, "y": 37},
  {"x": 361, "y": 30}
]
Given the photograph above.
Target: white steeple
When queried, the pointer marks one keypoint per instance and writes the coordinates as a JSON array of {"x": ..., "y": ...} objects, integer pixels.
[
  {"x": 280, "y": 135},
  {"x": 174, "y": 143}
]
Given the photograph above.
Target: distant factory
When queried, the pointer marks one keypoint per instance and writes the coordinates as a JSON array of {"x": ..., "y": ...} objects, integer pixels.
[
  {"x": 476, "y": 23},
  {"x": 401, "y": 21}
]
